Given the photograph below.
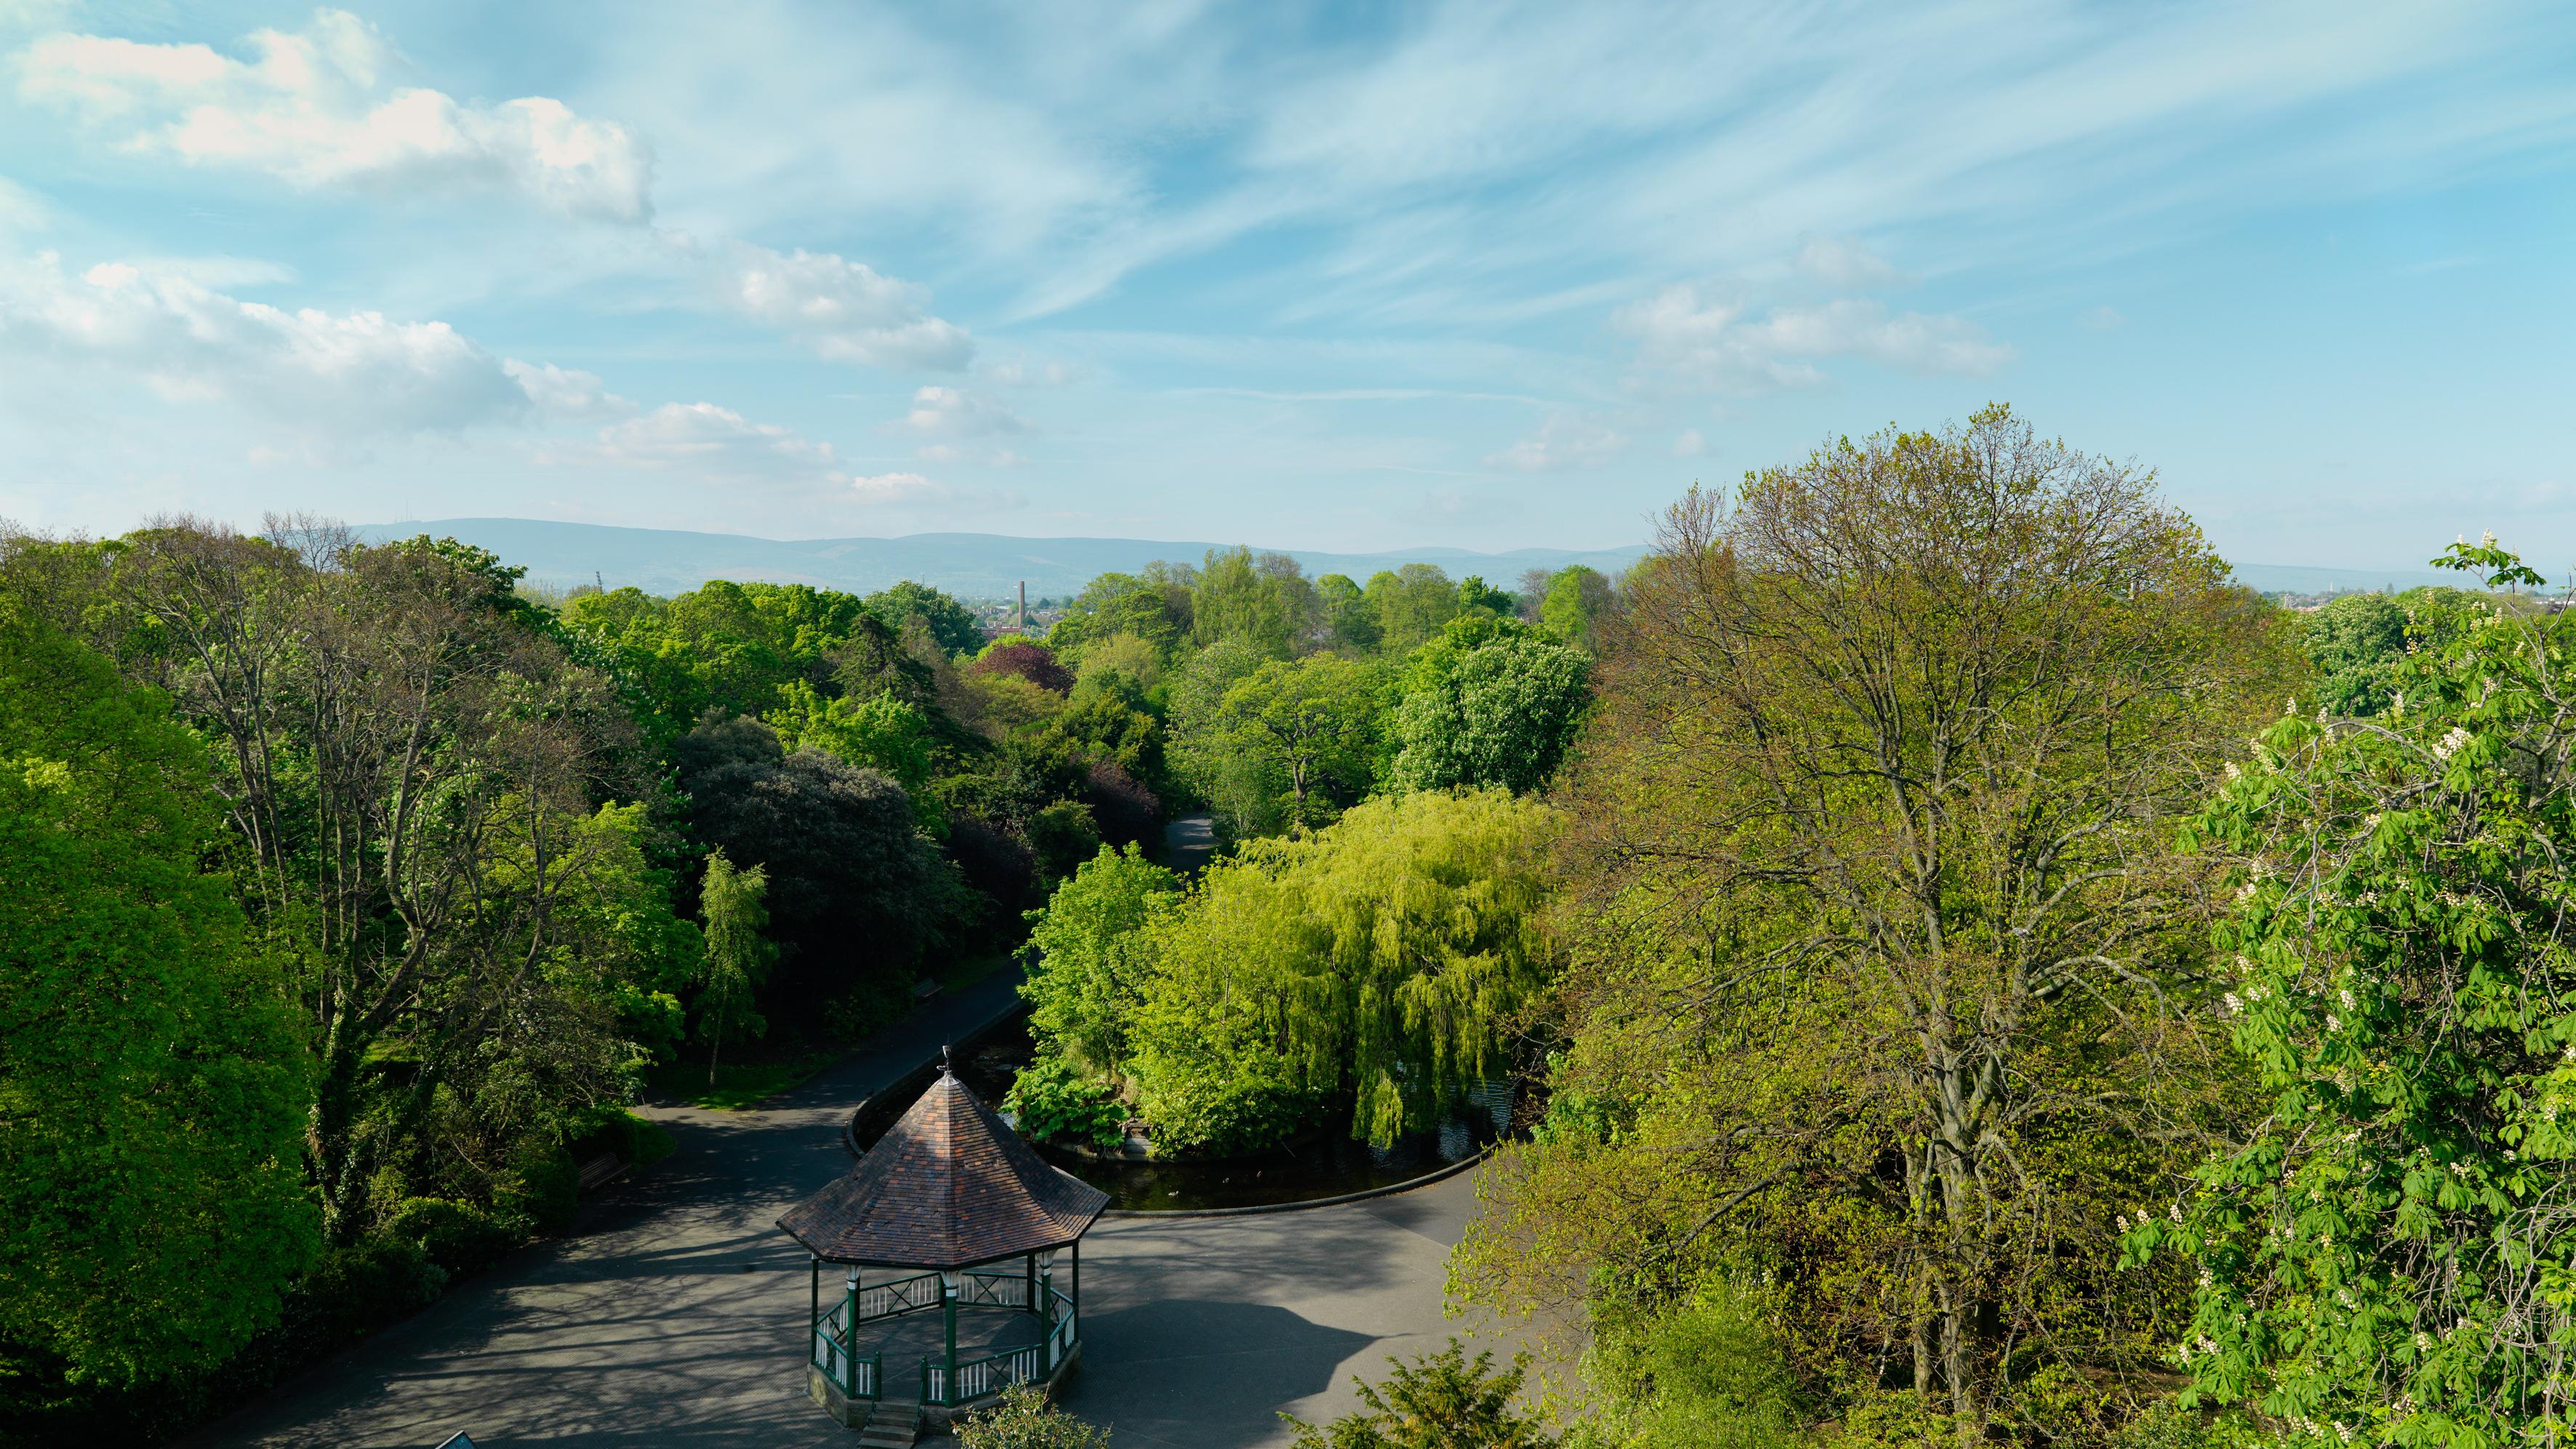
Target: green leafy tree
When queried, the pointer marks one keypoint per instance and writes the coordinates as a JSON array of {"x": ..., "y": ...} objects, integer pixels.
[
  {"x": 2391, "y": 1256},
  {"x": 2356, "y": 642},
  {"x": 1441, "y": 1400},
  {"x": 1412, "y": 605},
  {"x": 1085, "y": 966},
  {"x": 1239, "y": 790},
  {"x": 949, "y": 623},
  {"x": 1880, "y": 932},
  {"x": 1310, "y": 727},
  {"x": 153, "y": 1084},
  {"x": 1261, "y": 599},
  {"x": 737, "y": 955},
  {"x": 1155, "y": 605},
  {"x": 1350, "y": 625},
  {"x": 1501, "y": 713},
  {"x": 1576, "y": 601},
  {"x": 1475, "y": 596},
  {"x": 1378, "y": 962},
  {"x": 880, "y": 732}
]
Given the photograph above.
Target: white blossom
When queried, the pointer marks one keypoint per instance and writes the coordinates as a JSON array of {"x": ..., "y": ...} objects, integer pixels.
[{"x": 2450, "y": 743}]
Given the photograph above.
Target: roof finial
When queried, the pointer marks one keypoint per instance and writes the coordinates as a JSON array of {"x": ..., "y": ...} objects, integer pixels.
[{"x": 944, "y": 1067}]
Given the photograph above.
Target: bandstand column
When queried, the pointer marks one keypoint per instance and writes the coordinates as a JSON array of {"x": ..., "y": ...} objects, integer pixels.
[
  {"x": 1046, "y": 1319},
  {"x": 948, "y": 1310},
  {"x": 850, "y": 1343}
]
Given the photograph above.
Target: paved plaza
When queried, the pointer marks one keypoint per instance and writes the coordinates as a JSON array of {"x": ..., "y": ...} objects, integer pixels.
[{"x": 675, "y": 1317}]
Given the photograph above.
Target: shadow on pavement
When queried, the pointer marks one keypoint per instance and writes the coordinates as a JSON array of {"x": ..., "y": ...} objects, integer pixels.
[{"x": 1196, "y": 1372}]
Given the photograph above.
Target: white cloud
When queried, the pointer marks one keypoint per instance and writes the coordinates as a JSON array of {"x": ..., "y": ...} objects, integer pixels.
[
  {"x": 1564, "y": 441},
  {"x": 715, "y": 443},
  {"x": 845, "y": 310},
  {"x": 1712, "y": 343},
  {"x": 1689, "y": 444},
  {"x": 1837, "y": 262},
  {"x": 314, "y": 109},
  {"x": 968, "y": 453},
  {"x": 2100, "y": 319},
  {"x": 955, "y": 412},
  {"x": 1028, "y": 374},
  {"x": 334, "y": 372},
  {"x": 895, "y": 488},
  {"x": 567, "y": 394}
]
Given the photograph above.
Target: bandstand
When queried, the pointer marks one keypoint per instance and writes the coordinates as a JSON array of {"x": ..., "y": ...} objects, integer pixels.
[{"x": 970, "y": 1223}]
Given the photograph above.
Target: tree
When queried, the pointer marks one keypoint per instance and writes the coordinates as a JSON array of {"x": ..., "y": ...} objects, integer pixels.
[
  {"x": 153, "y": 1086},
  {"x": 1154, "y": 605},
  {"x": 2355, "y": 642},
  {"x": 1377, "y": 962},
  {"x": 854, "y": 888},
  {"x": 1577, "y": 599},
  {"x": 1311, "y": 726},
  {"x": 1350, "y": 625},
  {"x": 1476, "y": 596},
  {"x": 407, "y": 760},
  {"x": 2387, "y": 1257},
  {"x": 949, "y": 623},
  {"x": 1237, "y": 789},
  {"x": 1026, "y": 658},
  {"x": 737, "y": 957},
  {"x": 1262, "y": 600},
  {"x": 1500, "y": 713},
  {"x": 1439, "y": 1401},
  {"x": 880, "y": 733},
  {"x": 1412, "y": 604},
  {"x": 1084, "y": 965},
  {"x": 1880, "y": 907}
]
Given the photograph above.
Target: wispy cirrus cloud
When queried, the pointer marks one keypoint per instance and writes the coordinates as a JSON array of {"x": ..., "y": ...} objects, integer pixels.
[
  {"x": 316, "y": 108},
  {"x": 1565, "y": 441}
]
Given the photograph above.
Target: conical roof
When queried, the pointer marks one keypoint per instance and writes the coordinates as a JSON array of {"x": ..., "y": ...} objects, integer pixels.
[{"x": 949, "y": 1185}]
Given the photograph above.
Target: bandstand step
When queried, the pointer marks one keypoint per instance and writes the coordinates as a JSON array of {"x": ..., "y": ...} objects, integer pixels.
[{"x": 893, "y": 1424}]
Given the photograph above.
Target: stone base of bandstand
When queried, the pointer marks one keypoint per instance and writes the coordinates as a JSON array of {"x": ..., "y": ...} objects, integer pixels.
[{"x": 935, "y": 1418}]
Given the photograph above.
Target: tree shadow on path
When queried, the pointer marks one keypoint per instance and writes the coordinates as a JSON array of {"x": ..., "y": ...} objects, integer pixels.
[{"x": 1194, "y": 1372}]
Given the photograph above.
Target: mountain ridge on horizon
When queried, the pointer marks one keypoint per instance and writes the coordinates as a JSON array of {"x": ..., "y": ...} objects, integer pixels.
[{"x": 991, "y": 565}]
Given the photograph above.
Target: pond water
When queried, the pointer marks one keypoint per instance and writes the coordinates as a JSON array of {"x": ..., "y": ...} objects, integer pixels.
[{"x": 1327, "y": 1167}]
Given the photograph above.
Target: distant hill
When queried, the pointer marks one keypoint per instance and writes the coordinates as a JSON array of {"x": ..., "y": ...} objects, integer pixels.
[
  {"x": 2294, "y": 579},
  {"x": 969, "y": 565},
  {"x": 990, "y": 565}
]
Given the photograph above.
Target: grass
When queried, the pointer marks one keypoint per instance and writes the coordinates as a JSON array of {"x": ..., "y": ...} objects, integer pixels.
[{"x": 737, "y": 1085}]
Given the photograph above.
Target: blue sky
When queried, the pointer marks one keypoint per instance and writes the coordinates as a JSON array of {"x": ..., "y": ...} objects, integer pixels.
[{"x": 1342, "y": 278}]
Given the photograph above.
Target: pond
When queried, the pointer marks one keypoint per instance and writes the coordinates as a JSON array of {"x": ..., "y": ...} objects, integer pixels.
[{"x": 1326, "y": 1167}]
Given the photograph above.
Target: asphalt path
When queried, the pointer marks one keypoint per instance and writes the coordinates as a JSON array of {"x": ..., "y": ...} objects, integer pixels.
[{"x": 675, "y": 1315}]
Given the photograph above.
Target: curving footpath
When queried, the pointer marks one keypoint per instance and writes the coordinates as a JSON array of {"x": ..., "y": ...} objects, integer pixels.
[{"x": 673, "y": 1318}]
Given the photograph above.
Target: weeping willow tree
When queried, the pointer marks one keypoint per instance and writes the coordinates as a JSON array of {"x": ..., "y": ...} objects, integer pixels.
[{"x": 1373, "y": 963}]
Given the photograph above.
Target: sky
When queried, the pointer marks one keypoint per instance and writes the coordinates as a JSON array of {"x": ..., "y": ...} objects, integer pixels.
[{"x": 1350, "y": 278}]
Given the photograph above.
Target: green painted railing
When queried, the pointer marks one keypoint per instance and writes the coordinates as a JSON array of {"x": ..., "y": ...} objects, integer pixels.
[{"x": 836, "y": 1353}]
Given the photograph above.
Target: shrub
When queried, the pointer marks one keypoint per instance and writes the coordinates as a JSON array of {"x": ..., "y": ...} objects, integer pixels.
[
  {"x": 540, "y": 1192},
  {"x": 1439, "y": 1401},
  {"x": 1025, "y": 1420},
  {"x": 1053, "y": 1102},
  {"x": 457, "y": 1236}
]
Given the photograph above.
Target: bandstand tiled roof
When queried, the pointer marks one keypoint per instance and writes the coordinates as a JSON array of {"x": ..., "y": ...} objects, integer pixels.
[{"x": 949, "y": 1185}]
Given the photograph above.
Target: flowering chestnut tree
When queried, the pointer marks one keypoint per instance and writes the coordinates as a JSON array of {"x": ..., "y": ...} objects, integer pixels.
[{"x": 2390, "y": 1257}]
